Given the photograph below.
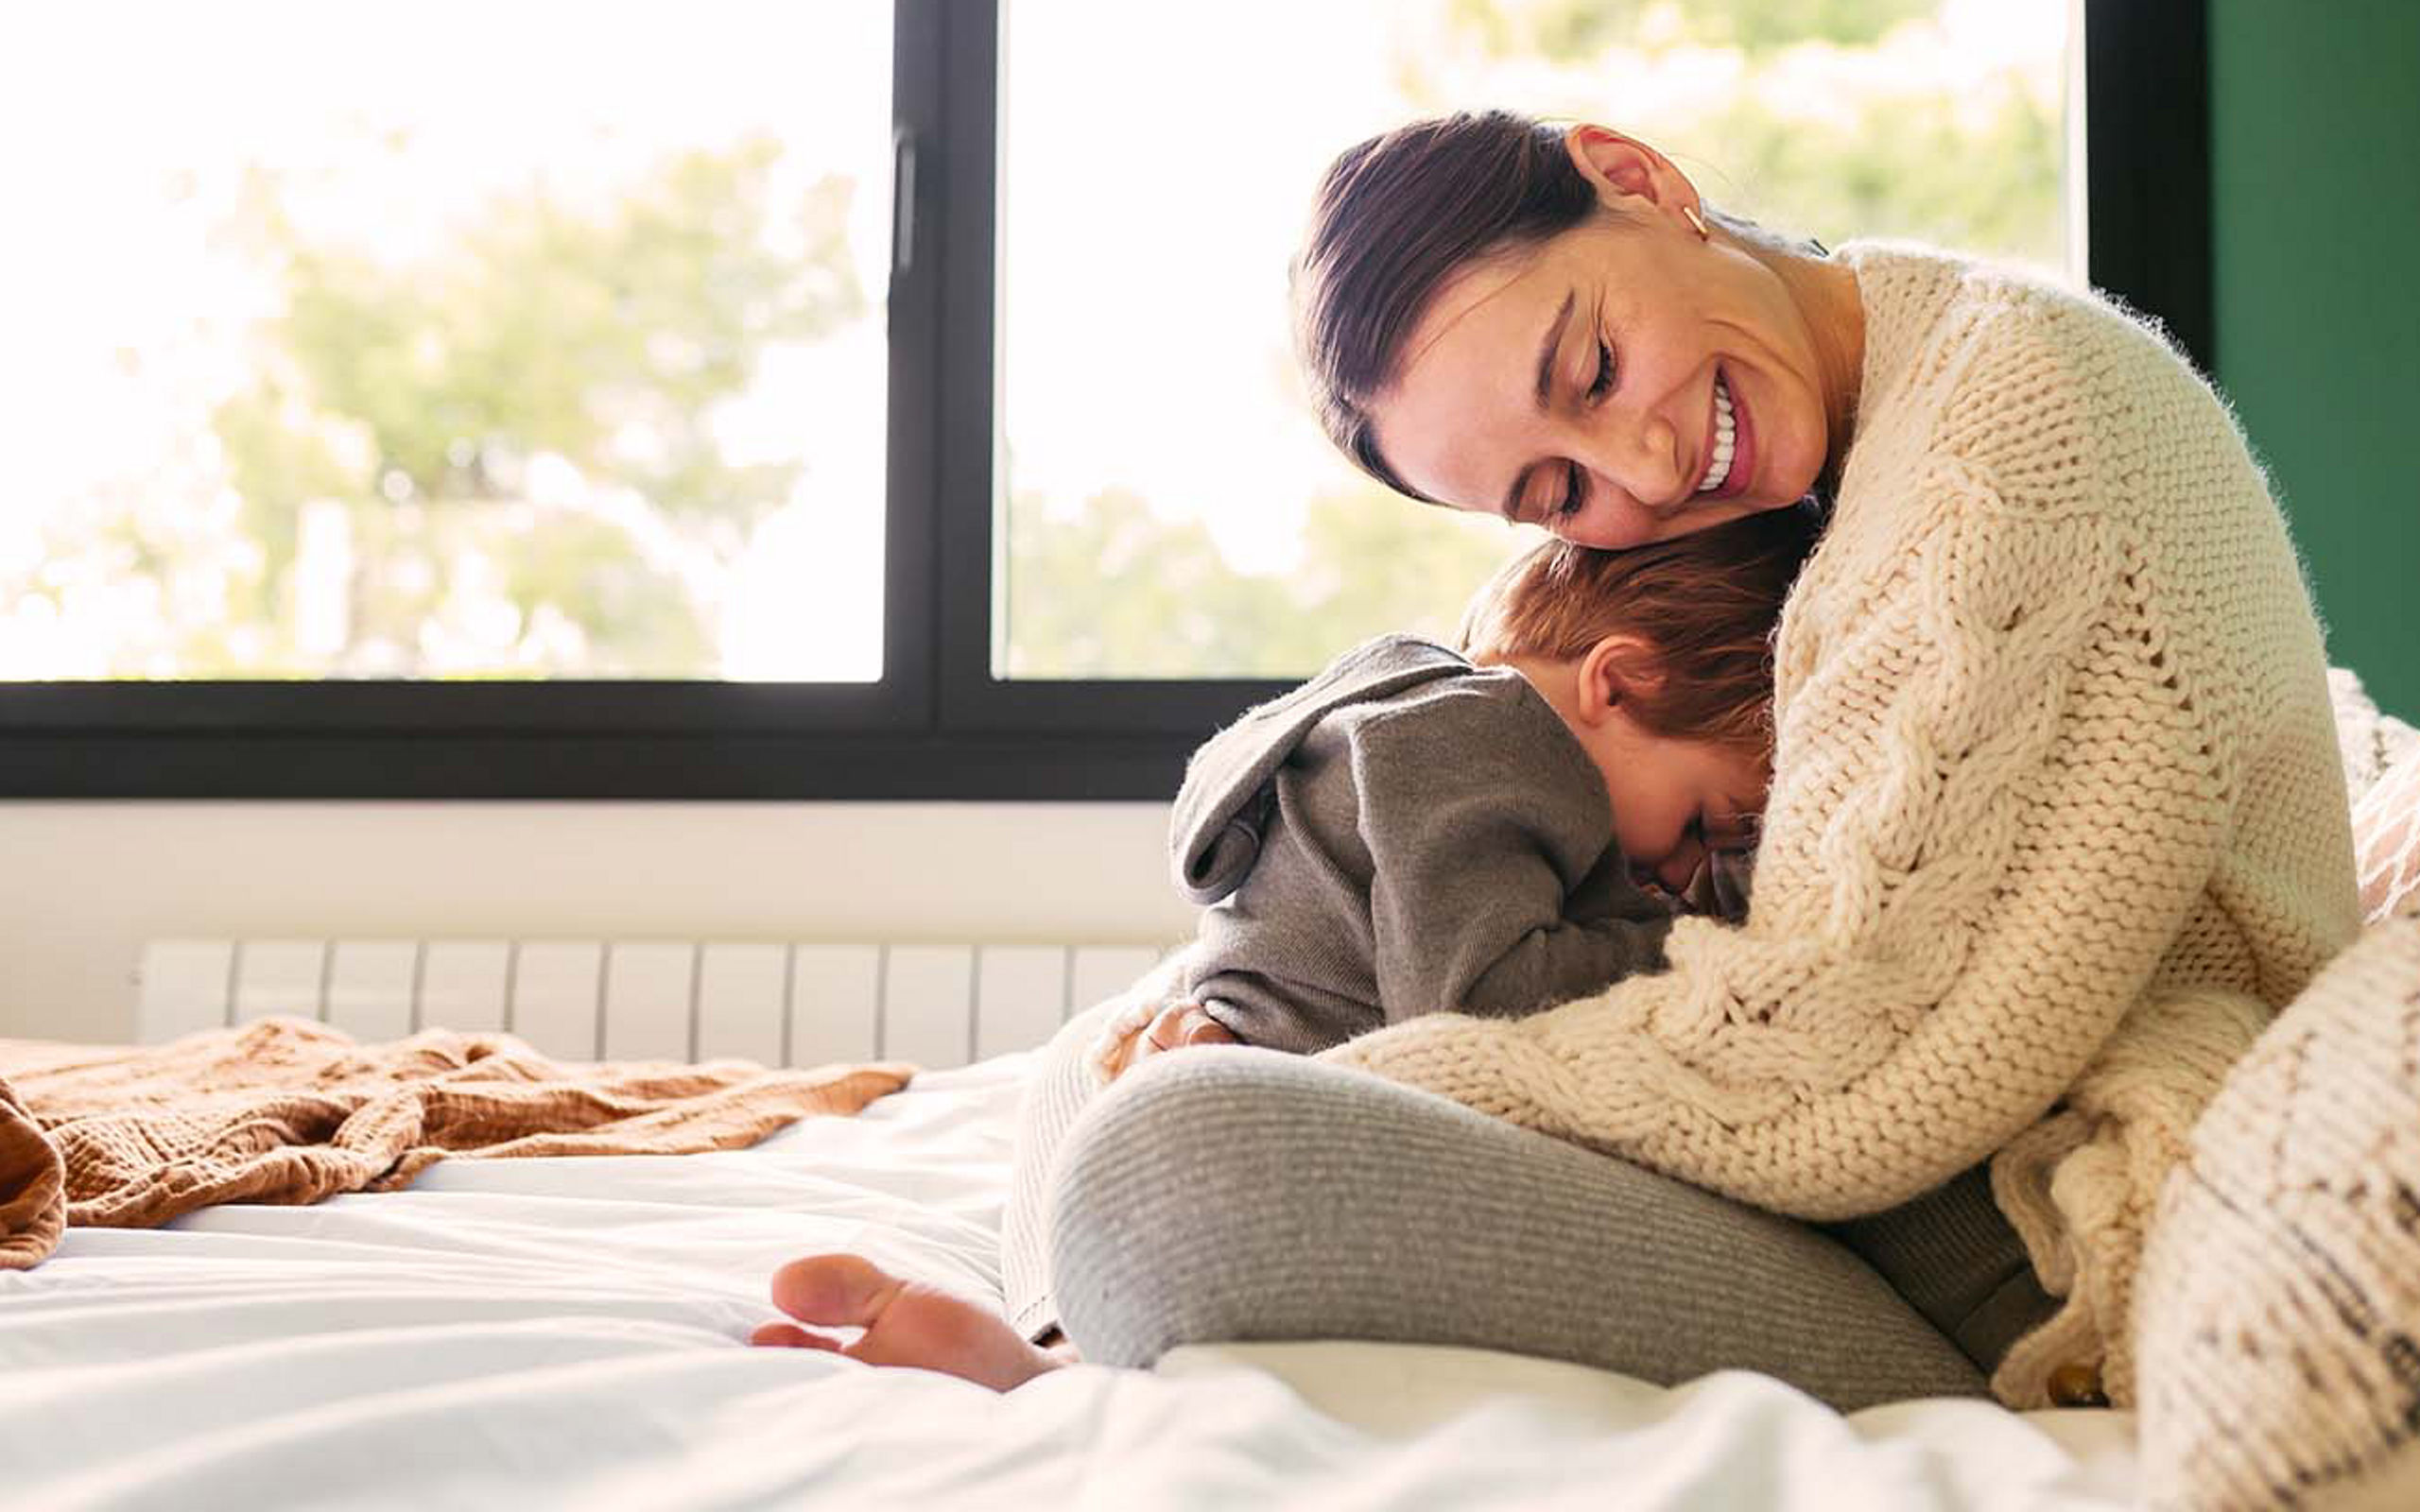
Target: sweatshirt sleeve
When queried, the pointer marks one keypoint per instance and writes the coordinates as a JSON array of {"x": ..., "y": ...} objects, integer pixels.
[
  {"x": 1497, "y": 890},
  {"x": 1998, "y": 796}
]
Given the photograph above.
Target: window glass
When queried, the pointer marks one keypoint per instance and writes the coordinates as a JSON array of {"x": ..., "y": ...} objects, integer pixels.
[
  {"x": 444, "y": 340},
  {"x": 1168, "y": 507}
]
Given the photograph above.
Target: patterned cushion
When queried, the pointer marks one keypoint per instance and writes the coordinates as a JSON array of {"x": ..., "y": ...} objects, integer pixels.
[
  {"x": 2279, "y": 1329},
  {"x": 2279, "y": 1326},
  {"x": 2371, "y": 742},
  {"x": 2386, "y": 842}
]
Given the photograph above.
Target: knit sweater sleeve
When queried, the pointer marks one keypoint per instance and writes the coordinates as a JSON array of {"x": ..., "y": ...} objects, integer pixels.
[{"x": 1998, "y": 795}]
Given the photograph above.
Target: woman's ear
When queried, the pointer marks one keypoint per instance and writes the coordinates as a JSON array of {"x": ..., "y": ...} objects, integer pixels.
[
  {"x": 1628, "y": 173},
  {"x": 1614, "y": 671}
]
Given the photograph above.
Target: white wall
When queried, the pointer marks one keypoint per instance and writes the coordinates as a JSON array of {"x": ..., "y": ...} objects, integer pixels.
[{"x": 83, "y": 885}]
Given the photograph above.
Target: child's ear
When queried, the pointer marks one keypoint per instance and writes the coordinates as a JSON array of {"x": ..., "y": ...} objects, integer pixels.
[{"x": 1616, "y": 670}]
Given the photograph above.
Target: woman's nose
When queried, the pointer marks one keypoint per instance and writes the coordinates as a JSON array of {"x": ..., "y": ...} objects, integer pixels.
[{"x": 1638, "y": 458}]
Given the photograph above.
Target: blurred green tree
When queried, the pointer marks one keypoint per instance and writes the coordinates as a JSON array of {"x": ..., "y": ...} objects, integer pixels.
[
  {"x": 1570, "y": 31},
  {"x": 1114, "y": 590},
  {"x": 538, "y": 397},
  {"x": 1935, "y": 169}
]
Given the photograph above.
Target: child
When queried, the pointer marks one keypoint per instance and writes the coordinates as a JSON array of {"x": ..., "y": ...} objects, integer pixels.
[{"x": 1412, "y": 832}]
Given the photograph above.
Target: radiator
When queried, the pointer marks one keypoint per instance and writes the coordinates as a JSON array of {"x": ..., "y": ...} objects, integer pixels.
[{"x": 784, "y": 1003}]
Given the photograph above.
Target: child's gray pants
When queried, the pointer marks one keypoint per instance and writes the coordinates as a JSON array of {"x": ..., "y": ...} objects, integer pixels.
[{"x": 1222, "y": 1194}]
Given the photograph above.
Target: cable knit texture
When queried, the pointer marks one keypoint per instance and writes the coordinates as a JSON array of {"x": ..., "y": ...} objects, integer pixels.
[
  {"x": 2281, "y": 1296},
  {"x": 2058, "y": 820}
]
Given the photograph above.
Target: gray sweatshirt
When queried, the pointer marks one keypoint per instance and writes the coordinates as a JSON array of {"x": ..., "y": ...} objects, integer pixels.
[{"x": 1404, "y": 834}]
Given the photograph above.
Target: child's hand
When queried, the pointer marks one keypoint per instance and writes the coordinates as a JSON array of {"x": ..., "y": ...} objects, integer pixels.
[
  {"x": 1143, "y": 1031},
  {"x": 1174, "y": 1027},
  {"x": 1180, "y": 1025}
]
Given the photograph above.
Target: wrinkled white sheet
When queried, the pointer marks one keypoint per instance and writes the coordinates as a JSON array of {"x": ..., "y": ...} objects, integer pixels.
[{"x": 534, "y": 1333}]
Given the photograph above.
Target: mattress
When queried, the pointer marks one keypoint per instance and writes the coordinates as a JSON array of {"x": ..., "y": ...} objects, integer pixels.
[{"x": 569, "y": 1333}]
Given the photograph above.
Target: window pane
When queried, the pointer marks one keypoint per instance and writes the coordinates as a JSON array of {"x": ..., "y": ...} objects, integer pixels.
[
  {"x": 446, "y": 340},
  {"x": 1170, "y": 509}
]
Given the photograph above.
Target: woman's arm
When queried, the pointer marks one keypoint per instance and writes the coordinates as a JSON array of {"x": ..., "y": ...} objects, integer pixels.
[{"x": 1997, "y": 800}]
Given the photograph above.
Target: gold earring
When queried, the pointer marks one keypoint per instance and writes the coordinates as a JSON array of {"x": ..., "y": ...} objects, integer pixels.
[{"x": 1691, "y": 211}]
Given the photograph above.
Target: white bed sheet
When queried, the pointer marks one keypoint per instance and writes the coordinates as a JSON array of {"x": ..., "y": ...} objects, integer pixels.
[{"x": 568, "y": 1333}]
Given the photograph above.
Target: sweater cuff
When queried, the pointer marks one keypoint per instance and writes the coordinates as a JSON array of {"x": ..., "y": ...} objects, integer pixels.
[
  {"x": 1480, "y": 1063},
  {"x": 1380, "y": 1050}
]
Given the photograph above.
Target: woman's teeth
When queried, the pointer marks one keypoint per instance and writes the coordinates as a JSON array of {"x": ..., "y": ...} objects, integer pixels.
[{"x": 1725, "y": 431}]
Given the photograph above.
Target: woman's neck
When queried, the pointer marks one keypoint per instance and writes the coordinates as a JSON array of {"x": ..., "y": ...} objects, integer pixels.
[{"x": 1826, "y": 293}]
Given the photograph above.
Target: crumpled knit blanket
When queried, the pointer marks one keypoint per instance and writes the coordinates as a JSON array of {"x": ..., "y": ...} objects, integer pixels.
[{"x": 287, "y": 1110}]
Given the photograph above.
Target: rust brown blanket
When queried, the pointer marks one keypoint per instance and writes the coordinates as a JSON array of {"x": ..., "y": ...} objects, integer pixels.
[{"x": 287, "y": 1110}]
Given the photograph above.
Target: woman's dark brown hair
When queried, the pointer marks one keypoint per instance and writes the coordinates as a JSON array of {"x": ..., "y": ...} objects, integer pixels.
[
  {"x": 1398, "y": 215},
  {"x": 1706, "y": 603}
]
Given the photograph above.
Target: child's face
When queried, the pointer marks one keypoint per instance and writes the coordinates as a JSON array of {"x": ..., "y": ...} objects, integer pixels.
[{"x": 1675, "y": 800}]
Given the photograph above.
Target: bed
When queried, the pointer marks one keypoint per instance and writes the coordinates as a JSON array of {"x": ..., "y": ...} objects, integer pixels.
[{"x": 562, "y": 1333}]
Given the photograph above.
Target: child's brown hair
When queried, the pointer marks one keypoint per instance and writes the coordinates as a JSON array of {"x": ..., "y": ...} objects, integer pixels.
[{"x": 1706, "y": 603}]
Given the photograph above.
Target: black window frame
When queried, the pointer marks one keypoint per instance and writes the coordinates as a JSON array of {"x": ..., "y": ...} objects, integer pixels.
[{"x": 939, "y": 726}]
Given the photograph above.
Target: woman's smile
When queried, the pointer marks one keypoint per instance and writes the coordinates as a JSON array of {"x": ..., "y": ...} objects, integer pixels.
[
  {"x": 1722, "y": 434},
  {"x": 1735, "y": 443}
]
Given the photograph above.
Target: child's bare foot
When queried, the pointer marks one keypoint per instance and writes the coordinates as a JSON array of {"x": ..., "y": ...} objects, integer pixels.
[{"x": 905, "y": 1323}]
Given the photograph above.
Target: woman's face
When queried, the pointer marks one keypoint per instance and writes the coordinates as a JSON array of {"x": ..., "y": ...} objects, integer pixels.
[{"x": 1590, "y": 386}]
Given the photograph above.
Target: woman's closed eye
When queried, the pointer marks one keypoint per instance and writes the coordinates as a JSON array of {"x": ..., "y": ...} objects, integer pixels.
[
  {"x": 1574, "y": 477},
  {"x": 1603, "y": 383},
  {"x": 1575, "y": 491}
]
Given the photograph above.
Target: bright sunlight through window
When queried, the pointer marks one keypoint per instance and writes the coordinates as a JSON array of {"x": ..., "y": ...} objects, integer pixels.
[{"x": 447, "y": 340}]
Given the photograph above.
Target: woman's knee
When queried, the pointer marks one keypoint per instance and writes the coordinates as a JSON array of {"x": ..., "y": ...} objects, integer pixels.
[
  {"x": 1232, "y": 1194},
  {"x": 1169, "y": 1182},
  {"x": 1190, "y": 1128}
]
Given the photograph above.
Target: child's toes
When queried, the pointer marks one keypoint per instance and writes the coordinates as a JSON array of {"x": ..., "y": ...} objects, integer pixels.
[
  {"x": 838, "y": 1291},
  {"x": 790, "y": 1336}
]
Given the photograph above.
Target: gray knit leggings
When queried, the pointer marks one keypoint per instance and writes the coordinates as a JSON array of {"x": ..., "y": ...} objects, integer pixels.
[{"x": 1228, "y": 1194}]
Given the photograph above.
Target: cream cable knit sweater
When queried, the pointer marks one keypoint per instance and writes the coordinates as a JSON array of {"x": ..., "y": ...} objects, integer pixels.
[{"x": 2058, "y": 822}]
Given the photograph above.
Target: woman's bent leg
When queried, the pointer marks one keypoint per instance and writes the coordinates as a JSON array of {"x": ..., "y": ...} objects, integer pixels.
[
  {"x": 1958, "y": 1262},
  {"x": 1061, "y": 1085},
  {"x": 1223, "y": 1195}
]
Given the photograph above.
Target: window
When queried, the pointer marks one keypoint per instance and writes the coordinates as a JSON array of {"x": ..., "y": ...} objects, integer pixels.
[
  {"x": 569, "y": 367},
  {"x": 750, "y": 401}
]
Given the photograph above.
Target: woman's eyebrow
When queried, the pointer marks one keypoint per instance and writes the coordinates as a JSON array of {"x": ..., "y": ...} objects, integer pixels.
[{"x": 1546, "y": 347}]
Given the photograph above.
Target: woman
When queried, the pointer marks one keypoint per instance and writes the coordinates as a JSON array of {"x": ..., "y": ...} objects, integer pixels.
[{"x": 2057, "y": 823}]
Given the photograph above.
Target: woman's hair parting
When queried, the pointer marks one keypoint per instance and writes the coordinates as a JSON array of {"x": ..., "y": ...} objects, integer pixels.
[
  {"x": 1706, "y": 603},
  {"x": 1395, "y": 218}
]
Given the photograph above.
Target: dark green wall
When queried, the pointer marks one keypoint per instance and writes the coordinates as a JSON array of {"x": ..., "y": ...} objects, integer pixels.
[{"x": 2315, "y": 208}]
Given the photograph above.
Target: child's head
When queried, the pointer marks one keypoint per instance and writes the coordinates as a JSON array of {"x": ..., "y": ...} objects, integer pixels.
[{"x": 1660, "y": 659}]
